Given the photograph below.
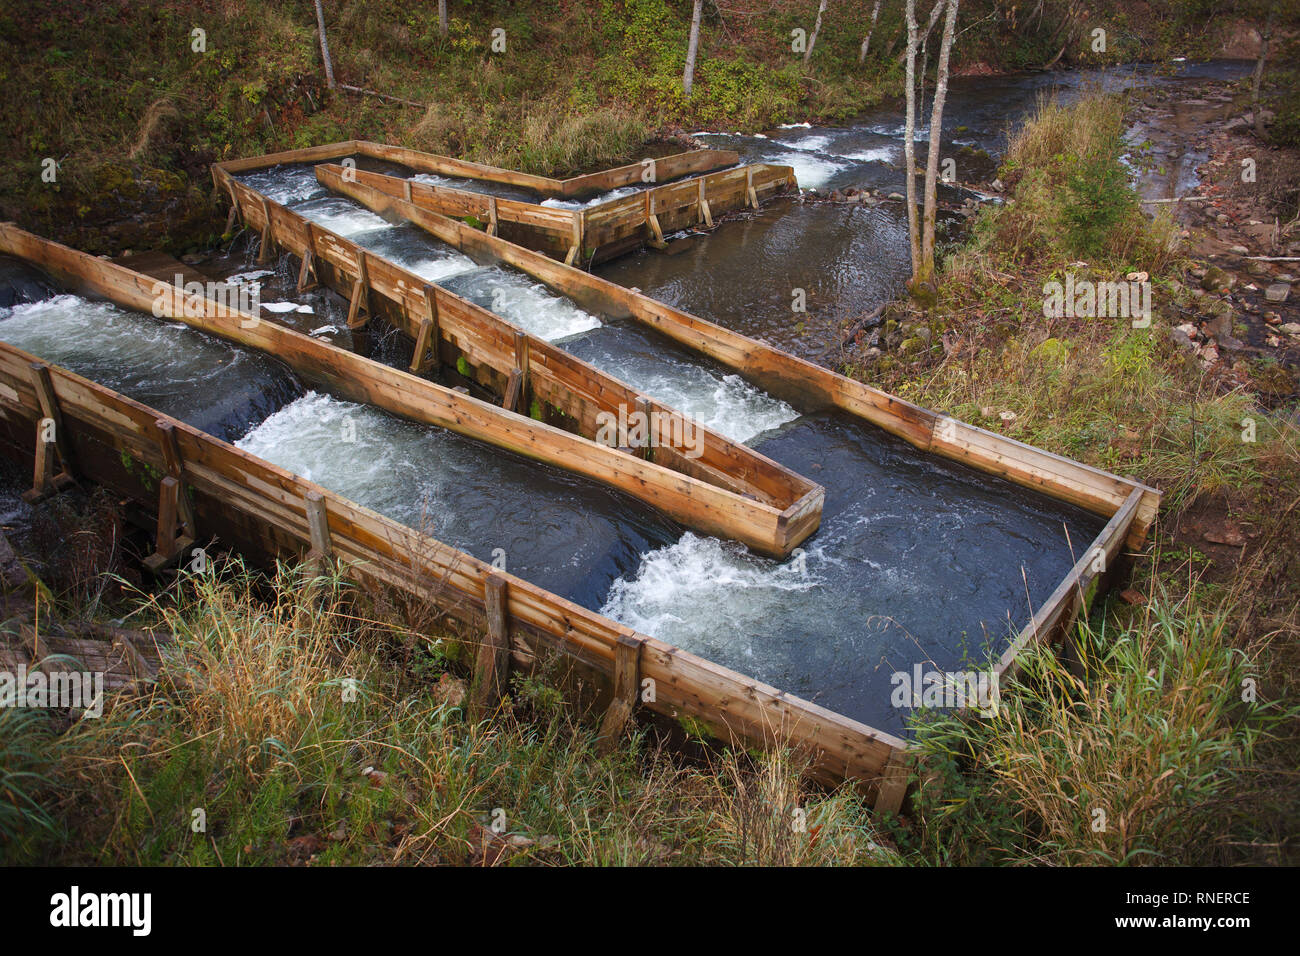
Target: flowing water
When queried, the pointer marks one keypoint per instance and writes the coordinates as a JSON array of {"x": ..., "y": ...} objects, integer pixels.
[
  {"x": 917, "y": 560},
  {"x": 187, "y": 374}
]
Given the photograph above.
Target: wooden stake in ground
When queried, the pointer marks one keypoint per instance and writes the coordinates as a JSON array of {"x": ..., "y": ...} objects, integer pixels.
[{"x": 909, "y": 137}]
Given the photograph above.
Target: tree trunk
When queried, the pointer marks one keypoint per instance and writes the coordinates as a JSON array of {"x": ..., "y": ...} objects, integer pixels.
[
  {"x": 1258, "y": 77},
  {"x": 934, "y": 18},
  {"x": 812, "y": 40},
  {"x": 324, "y": 46},
  {"x": 442, "y": 17},
  {"x": 688, "y": 78},
  {"x": 932, "y": 156},
  {"x": 909, "y": 140},
  {"x": 866, "y": 43}
]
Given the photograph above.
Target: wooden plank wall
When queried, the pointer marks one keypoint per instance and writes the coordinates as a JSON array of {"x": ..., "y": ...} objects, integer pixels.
[{"x": 665, "y": 167}]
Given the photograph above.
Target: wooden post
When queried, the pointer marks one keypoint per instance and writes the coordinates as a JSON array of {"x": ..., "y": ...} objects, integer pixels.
[
  {"x": 706, "y": 216},
  {"x": 171, "y": 450},
  {"x": 264, "y": 253},
  {"x": 893, "y": 783},
  {"x": 643, "y": 406},
  {"x": 521, "y": 363},
  {"x": 426, "y": 342},
  {"x": 575, "y": 247},
  {"x": 407, "y": 190},
  {"x": 493, "y": 659},
  {"x": 170, "y": 544},
  {"x": 318, "y": 529},
  {"x": 50, "y": 437},
  {"x": 653, "y": 220},
  {"x": 749, "y": 186},
  {"x": 360, "y": 293},
  {"x": 627, "y": 687},
  {"x": 230, "y": 219},
  {"x": 308, "y": 262},
  {"x": 492, "y": 216}
]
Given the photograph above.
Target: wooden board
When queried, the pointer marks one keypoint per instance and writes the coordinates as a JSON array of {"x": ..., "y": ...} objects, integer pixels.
[{"x": 665, "y": 167}]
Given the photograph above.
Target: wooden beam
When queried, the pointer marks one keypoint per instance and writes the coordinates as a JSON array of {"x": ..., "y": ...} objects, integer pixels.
[
  {"x": 493, "y": 659},
  {"x": 176, "y": 469},
  {"x": 893, "y": 783},
  {"x": 521, "y": 363},
  {"x": 264, "y": 252},
  {"x": 749, "y": 186},
  {"x": 46, "y": 480},
  {"x": 706, "y": 216},
  {"x": 627, "y": 687},
  {"x": 170, "y": 544},
  {"x": 308, "y": 261},
  {"x": 514, "y": 388},
  {"x": 360, "y": 294},
  {"x": 426, "y": 354},
  {"x": 492, "y": 216}
]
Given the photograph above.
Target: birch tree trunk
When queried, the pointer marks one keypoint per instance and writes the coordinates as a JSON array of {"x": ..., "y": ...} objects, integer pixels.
[
  {"x": 812, "y": 40},
  {"x": 1258, "y": 77},
  {"x": 324, "y": 46},
  {"x": 936, "y": 137},
  {"x": 866, "y": 43},
  {"x": 909, "y": 141},
  {"x": 688, "y": 78}
]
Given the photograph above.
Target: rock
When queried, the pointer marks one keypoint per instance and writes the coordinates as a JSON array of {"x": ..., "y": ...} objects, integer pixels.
[
  {"x": 1215, "y": 280},
  {"x": 1218, "y": 325},
  {"x": 923, "y": 333},
  {"x": 910, "y": 346},
  {"x": 1137, "y": 277},
  {"x": 1130, "y": 596},
  {"x": 1190, "y": 330},
  {"x": 1286, "y": 277},
  {"x": 1239, "y": 251},
  {"x": 1272, "y": 318},
  {"x": 898, "y": 197},
  {"x": 1221, "y": 219},
  {"x": 1291, "y": 328},
  {"x": 1256, "y": 268},
  {"x": 997, "y": 186},
  {"x": 1277, "y": 292}
]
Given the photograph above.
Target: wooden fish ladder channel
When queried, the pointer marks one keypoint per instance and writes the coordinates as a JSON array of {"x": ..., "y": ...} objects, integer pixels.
[
  {"x": 577, "y": 236},
  {"x": 282, "y": 513},
  {"x": 100, "y": 436}
]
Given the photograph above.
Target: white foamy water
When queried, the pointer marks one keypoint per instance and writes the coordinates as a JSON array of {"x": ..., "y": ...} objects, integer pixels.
[
  {"x": 285, "y": 184},
  {"x": 725, "y": 403},
  {"x": 880, "y": 154},
  {"x": 594, "y": 201},
  {"x": 713, "y": 598},
  {"x": 811, "y": 171},
  {"x": 342, "y": 216},
  {"x": 524, "y": 302},
  {"x": 357, "y": 451},
  {"x": 809, "y": 144},
  {"x": 436, "y": 268}
]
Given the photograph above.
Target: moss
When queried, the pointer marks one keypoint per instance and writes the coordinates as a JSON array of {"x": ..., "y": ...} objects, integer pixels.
[{"x": 462, "y": 366}]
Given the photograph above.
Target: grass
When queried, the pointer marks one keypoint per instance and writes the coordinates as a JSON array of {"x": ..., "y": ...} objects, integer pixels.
[{"x": 298, "y": 739}]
